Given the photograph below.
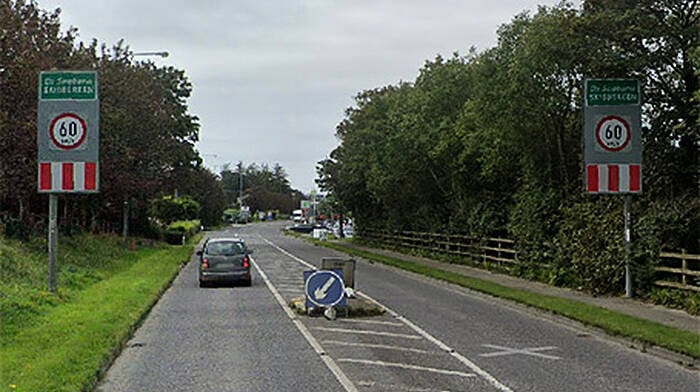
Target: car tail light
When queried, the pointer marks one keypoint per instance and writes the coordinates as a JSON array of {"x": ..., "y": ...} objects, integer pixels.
[
  {"x": 205, "y": 263},
  {"x": 246, "y": 262}
]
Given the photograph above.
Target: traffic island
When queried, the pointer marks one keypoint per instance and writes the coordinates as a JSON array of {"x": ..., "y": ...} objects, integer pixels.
[{"x": 355, "y": 307}]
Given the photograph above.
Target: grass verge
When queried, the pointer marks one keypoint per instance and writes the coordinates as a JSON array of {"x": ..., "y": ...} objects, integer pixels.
[
  {"x": 68, "y": 346},
  {"x": 613, "y": 323}
]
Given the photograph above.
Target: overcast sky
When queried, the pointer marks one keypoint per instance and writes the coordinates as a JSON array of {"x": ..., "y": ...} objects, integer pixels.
[{"x": 272, "y": 78}]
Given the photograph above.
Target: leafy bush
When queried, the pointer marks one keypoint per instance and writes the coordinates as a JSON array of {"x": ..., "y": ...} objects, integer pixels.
[
  {"x": 534, "y": 224},
  {"x": 682, "y": 299},
  {"x": 590, "y": 246},
  {"x": 169, "y": 209},
  {"x": 177, "y": 232}
]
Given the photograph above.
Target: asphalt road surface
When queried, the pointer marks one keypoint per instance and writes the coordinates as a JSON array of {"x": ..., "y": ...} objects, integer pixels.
[{"x": 434, "y": 337}]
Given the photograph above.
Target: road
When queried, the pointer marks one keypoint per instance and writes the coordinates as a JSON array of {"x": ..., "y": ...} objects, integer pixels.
[{"x": 434, "y": 337}]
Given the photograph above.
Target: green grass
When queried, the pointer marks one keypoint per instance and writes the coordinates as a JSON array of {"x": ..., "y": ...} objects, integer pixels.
[
  {"x": 62, "y": 342},
  {"x": 612, "y": 322}
]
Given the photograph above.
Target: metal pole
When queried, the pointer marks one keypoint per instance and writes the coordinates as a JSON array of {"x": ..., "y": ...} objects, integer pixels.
[
  {"x": 628, "y": 243},
  {"x": 53, "y": 240}
]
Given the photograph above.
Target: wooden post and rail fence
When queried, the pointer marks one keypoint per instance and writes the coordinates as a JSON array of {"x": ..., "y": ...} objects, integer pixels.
[{"x": 675, "y": 270}]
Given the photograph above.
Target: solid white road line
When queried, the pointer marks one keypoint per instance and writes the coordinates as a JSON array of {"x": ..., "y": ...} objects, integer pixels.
[
  {"x": 330, "y": 363},
  {"x": 361, "y": 332},
  {"x": 407, "y": 366},
  {"x": 471, "y": 365},
  {"x": 383, "y": 346}
]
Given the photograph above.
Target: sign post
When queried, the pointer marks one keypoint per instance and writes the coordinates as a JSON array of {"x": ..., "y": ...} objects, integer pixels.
[
  {"x": 613, "y": 146},
  {"x": 68, "y": 133}
]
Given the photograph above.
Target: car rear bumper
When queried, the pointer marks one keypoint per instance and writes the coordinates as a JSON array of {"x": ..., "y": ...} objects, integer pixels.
[{"x": 233, "y": 276}]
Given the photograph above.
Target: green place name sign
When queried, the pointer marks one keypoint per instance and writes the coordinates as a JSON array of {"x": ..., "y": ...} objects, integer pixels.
[
  {"x": 68, "y": 85},
  {"x": 612, "y": 92}
]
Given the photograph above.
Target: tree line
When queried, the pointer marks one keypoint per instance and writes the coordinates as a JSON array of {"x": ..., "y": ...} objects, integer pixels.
[
  {"x": 260, "y": 187},
  {"x": 490, "y": 143}
]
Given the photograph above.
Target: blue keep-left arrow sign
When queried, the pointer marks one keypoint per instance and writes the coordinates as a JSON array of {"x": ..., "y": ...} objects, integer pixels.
[{"x": 324, "y": 288}]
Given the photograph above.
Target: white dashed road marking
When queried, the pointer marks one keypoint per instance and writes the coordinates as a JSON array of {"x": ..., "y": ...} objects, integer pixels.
[
  {"x": 376, "y": 322},
  {"x": 407, "y": 366},
  {"x": 330, "y": 363},
  {"x": 461, "y": 358},
  {"x": 361, "y": 332},
  {"x": 384, "y": 346}
]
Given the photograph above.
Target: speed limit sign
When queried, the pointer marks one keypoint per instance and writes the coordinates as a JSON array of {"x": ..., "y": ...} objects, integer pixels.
[
  {"x": 67, "y": 131},
  {"x": 613, "y": 133},
  {"x": 612, "y": 136}
]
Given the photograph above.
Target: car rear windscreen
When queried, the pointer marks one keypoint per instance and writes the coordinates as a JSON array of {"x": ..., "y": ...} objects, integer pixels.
[{"x": 225, "y": 248}]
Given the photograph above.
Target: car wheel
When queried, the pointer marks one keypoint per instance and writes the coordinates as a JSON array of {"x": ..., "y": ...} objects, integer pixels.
[{"x": 202, "y": 284}]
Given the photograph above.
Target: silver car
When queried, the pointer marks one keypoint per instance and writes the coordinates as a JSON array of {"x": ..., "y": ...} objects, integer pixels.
[{"x": 224, "y": 260}]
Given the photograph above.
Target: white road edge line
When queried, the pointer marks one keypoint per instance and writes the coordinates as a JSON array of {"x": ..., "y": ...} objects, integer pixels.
[
  {"x": 384, "y": 346},
  {"x": 407, "y": 366},
  {"x": 471, "y": 365},
  {"x": 330, "y": 363}
]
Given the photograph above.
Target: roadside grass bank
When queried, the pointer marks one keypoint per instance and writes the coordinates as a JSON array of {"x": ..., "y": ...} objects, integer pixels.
[
  {"x": 613, "y": 323},
  {"x": 64, "y": 342}
]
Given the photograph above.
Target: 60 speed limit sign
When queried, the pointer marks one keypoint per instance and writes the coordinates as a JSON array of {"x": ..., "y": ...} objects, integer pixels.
[
  {"x": 68, "y": 131},
  {"x": 613, "y": 133}
]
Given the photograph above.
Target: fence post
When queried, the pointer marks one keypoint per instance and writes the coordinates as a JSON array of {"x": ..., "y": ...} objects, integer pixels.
[
  {"x": 499, "y": 252},
  {"x": 684, "y": 266}
]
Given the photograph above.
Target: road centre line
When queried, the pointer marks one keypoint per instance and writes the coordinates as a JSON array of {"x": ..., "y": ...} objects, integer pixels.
[
  {"x": 330, "y": 363},
  {"x": 362, "y": 332},
  {"x": 464, "y": 360},
  {"x": 383, "y": 346},
  {"x": 407, "y": 366}
]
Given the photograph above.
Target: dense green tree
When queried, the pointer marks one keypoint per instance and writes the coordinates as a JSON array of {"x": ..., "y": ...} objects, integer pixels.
[
  {"x": 490, "y": 143},
  {"x": 147, "y": 135}
]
